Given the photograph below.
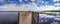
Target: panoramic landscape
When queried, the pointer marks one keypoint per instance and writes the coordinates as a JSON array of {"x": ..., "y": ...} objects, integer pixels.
[{"x": 50, "y": 11}]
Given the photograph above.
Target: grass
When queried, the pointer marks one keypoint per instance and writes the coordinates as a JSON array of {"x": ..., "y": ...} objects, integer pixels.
[{"x": 54, "y": 14}]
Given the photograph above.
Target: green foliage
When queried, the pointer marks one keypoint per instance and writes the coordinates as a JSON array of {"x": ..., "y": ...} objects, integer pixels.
[{"x": 54, "y": 14}]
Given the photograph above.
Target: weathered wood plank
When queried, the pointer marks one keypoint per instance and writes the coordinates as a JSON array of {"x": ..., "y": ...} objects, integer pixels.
[{"x": 25, "y": 17}]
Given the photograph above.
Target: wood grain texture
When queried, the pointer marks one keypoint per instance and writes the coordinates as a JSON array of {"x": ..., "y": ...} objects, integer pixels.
[{"x": 25, "y": 17}]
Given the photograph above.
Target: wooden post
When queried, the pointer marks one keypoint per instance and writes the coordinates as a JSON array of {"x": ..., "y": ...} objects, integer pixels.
[
  {"x": 35, "y": 18},
  {"x": 25, "y": 17},
  {"x": 28, "y": 17}
]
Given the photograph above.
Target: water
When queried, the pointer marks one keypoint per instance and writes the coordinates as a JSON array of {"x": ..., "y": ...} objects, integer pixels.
[
  {"x": 8, "y": 17},
  {"x": 47, "y": 19}
]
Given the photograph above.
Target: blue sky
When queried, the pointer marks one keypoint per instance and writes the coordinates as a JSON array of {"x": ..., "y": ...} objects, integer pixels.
[
  {"x": 14, "y": 2},
  {"x": 18, "y": 5},
  {"x": 48, "y": 2},
  {"x": 43, "y": 2}
]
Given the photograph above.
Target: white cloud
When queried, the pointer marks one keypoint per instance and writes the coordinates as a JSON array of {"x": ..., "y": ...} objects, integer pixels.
[
  {"x": 33, "y": 0},
  {"x": 13, "y": 7},
  {"x": 46, "y": 2},
  {"x": 43, "y": 8},
  {"x": 20, "y": 0},
  {"x": 27, "y": 7},
  {"x": 42, "y": 1},
  {"x": 57, "y": 3},
  {"x": 10, "y": 7},
  {"x": 55, "y": 0}
]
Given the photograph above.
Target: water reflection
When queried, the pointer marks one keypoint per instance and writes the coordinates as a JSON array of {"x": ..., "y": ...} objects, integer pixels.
[
  {"x": 8, "y": 17},
  {"x": 48, "y": 19}
]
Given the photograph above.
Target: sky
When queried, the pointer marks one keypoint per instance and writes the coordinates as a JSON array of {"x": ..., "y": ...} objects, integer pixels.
[
  {"x": 38, "y": 2},
  {"x": 29, "y": 5}
]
